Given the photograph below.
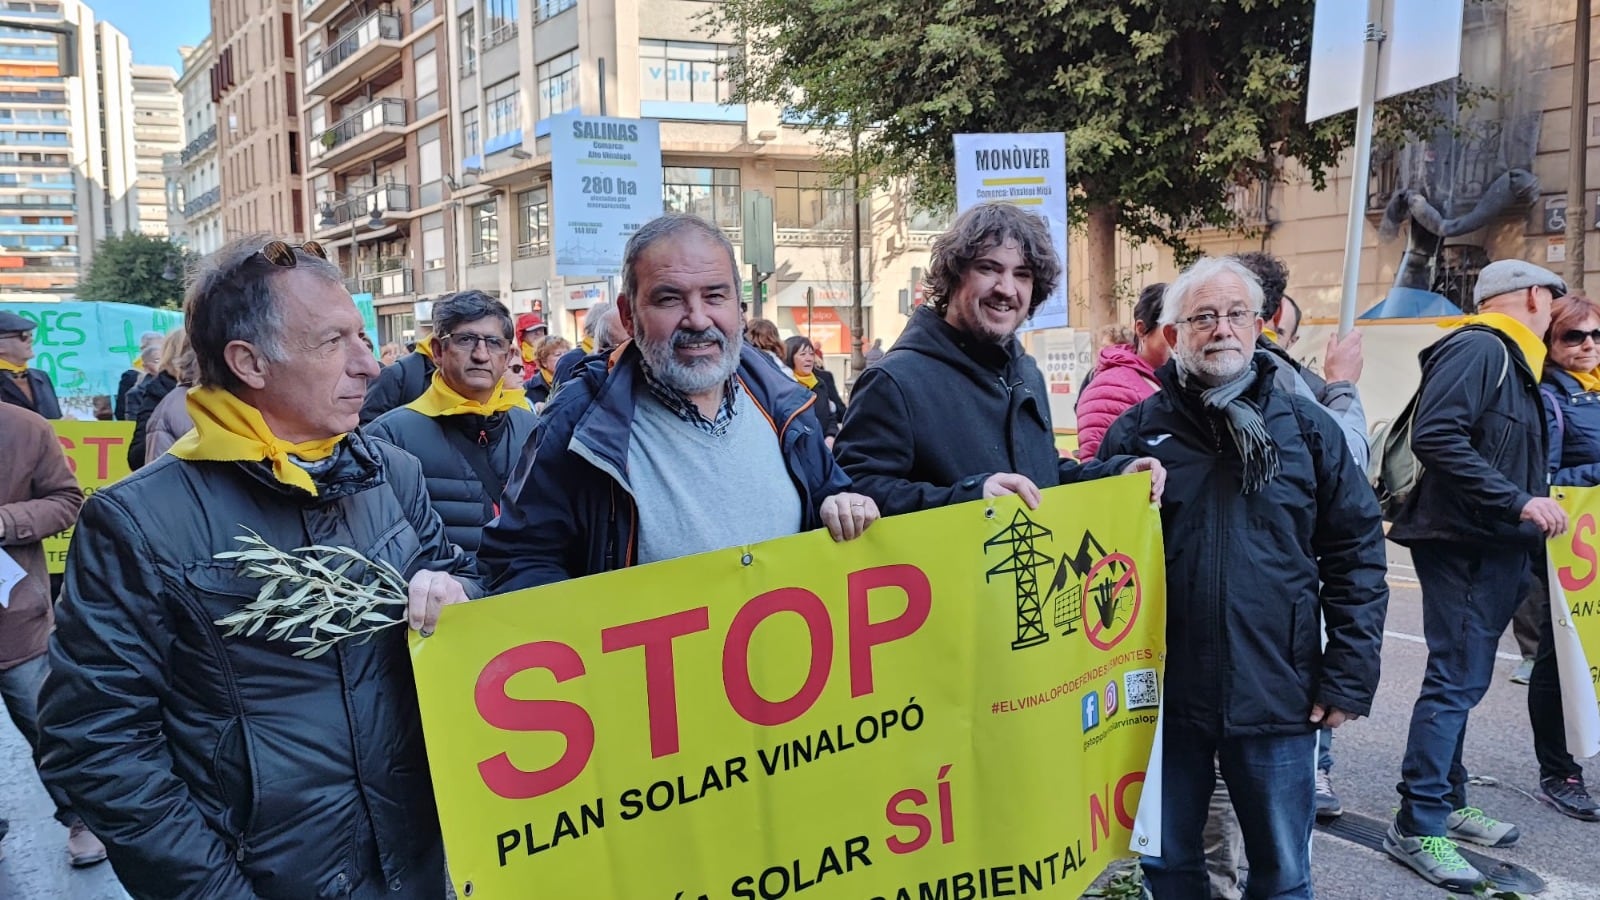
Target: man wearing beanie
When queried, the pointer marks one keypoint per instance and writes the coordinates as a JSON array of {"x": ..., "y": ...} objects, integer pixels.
[{"x": 1477, "y": 514}]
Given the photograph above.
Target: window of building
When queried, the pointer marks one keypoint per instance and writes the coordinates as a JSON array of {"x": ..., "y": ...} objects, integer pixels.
[
  {"x": 499, "y": 22},
  {"x": 558, "y": 84},
  {"x": 549, "y": 8},
  {"x": 504, "y": 110},
  {"x": 533, "y": 222},
  {"x": 809, "y": 200},
  {"x": 711, "y": 194},
  {"x": 683, "y": 71},
  {"x": 432, "y": 248},
  {"x": 427, "y": 83},
  {"x": 469, "y": 44},
  {"x": 470, "y": 145},
  {"x": 485, "y": 234}
]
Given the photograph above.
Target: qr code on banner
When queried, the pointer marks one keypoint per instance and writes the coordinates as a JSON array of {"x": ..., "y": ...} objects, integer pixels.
[{"x": 1140, "y": 689}]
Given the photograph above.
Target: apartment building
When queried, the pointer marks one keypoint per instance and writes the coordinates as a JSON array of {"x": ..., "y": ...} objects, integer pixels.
[
  {"x": 376, "y": 107},
  {"x": 200, "y": 180},
  {"x": 54, "y": 202},
  {"x": 255, "y": 84},
  {"x": 157, "y": 128},
  {"x": 522, "y": 63}
]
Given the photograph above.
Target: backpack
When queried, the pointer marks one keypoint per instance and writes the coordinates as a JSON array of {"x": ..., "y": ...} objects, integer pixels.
[{"x": 1393, "y": 469}]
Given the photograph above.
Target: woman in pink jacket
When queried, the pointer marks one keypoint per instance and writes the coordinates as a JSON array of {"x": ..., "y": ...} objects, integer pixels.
[{"x": 1123, "y": 375}]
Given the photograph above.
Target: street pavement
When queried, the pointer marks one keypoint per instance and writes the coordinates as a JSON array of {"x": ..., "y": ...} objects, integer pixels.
[{"x": 1366, "y": 766}]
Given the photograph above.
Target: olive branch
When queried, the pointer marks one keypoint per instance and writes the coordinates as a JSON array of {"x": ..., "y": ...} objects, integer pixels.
[{"x": 307, "y": 589}]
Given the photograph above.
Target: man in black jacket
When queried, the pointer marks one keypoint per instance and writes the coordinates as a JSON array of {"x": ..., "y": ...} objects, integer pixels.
[
  {"x": 400, "y": 383},
  {"x": 225, "y": 766},
  {"x": 1270, "y": 528},
  {"x": 466, "y": 429},
  {"x": 957, "y": 410},
  {"x": 1476, "y": 516},
  {"x": 28, "y": 388}
]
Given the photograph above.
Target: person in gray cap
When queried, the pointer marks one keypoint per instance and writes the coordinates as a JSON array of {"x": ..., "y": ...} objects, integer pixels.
[
  {"x": 1473, "y": 522},
  {"x": 21, "y": 386}
]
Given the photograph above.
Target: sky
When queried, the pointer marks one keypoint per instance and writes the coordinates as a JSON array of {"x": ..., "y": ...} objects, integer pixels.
[{"x": 156, "y": 28}]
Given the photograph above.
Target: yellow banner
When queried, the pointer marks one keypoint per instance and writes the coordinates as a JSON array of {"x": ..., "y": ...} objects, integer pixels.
[
  {"x": 97, "y": 452},
  {"x": 1575, "y": 610},
  {"x": 959, "y": 704}
]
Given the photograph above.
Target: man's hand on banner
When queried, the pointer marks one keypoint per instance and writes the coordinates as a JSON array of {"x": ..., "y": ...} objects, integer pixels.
[
  {"x": 848, "y": 515},
  {"x": 430, "y": 592},
  {"x": 1002, "y": 483},
  {"x": 1158, "y": 475}
]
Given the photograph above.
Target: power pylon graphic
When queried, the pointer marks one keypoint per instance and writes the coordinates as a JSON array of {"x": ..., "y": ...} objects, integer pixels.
[{"x": 1024, "y": 563}]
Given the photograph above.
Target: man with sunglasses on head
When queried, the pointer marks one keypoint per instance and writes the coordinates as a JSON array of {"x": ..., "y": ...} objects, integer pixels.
[
  {"x": 21, "y": 386},
  {"x": 217, "y": 765},
  {"x": 467, "y": 429},
  {"x": 1479, "y": 512}
]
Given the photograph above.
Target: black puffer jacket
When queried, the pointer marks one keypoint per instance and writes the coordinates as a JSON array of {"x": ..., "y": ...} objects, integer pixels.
[
  {"x": 398, "y": 384},
  {"x": 217, "y": 766},
  {"x": 458, "y": 495},
  {"x": 1480, "y": 436},
  {"x": 142, "y": 403},
  {"x": 1243, "y": 601},
  {"x": 942, "y": 412}
]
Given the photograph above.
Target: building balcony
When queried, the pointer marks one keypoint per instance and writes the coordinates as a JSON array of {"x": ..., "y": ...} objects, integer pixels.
[
  {"x": 25, "y": 203},
  {"x": 380, "y": 284},
  {"x": 371, "y": 43},
  {"x": 366, "y": 129},
  {"x": 381, "y": 200},
  {"x": 528, "y": 249},
  {"x": 318, "y": 11},
  {"x": 199, "y": 145},
  {"x": 203, "y": 202}
]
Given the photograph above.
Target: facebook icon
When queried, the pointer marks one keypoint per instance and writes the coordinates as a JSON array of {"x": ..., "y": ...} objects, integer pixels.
[{"x": 1091, "y": 710}]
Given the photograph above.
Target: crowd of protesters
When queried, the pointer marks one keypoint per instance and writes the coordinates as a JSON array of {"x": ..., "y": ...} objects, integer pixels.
[{"x": 492, "y": 456}]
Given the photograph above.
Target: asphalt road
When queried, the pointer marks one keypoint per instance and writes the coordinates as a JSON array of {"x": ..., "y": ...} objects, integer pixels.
[{"x": 1565, "y": 852}]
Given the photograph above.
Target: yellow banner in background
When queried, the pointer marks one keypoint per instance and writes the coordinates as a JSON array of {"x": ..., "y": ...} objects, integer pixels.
[
  {"x": 1574, "y": 560},
  {"x": 959, "y": 704},
  {"x": 97, "y": 452}
]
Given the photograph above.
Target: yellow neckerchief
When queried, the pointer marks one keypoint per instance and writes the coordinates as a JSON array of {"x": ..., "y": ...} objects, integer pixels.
[
  {"x": 588, "y": 345},
  {"x": 1532, "y": 347},
  {"x": 1589, "y": 381},
  {"x": 7, "y": 365},
  {"x": 425, "y": 347},
  {"x": 526, "y": 350},
  {"x": 439, "y": 400},
  {"x": 548, "y": 376},
  {"x": 1271, "y": 335},
  {"x": 809, "y": 381},
  {"x": 227, "y": 429}
]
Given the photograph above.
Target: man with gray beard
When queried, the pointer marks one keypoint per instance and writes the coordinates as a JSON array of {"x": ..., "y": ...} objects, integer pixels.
[
  {"x": 637, "y": 457},
  {"x": 1270, "y": 525}
]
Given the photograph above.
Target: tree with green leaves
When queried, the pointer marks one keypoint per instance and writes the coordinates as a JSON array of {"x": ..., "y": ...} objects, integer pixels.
[
  {"x": 1166, "y": 104},
  {"x": 137, "y": 268}
]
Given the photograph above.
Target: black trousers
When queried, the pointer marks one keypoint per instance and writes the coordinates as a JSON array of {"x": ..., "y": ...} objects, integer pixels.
[{"x": 1544, "y": 689}]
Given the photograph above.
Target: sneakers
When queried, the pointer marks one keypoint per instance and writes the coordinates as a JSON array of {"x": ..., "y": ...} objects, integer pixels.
[
  {"x": 1434, "y": 858},
  {"x": 1328, "y": 806},
  {"x": 1568, "y": 796},
  {"x": 83, "y": 848},
  {"x": 1471, "y": 825},
  {"x": 1523, "y": 672}
]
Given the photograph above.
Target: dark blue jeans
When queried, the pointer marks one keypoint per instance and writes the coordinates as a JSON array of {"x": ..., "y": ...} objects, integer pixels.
[
  {"x": 1271, "y": 781},
  {"x": 1468, "y": 597}
]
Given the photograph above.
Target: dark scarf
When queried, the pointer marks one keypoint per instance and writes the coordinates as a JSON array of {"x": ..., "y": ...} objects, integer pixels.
[{"x": 1245, "y": 425}]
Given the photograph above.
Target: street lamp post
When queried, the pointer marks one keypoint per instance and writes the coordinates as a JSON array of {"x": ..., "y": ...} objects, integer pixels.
[{"x": 329, "y": 220}]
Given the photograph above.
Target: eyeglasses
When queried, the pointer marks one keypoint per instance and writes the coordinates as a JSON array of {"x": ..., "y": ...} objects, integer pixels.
[
  {"x": 281, "y": 253},
  {"x": 516, "y": 368},
  {"x": 24, "y": 336},
  {"x": 1575, "y": 337},
  {"x": 469, "y": 342},
  {"x": 1207, "y": 321}
]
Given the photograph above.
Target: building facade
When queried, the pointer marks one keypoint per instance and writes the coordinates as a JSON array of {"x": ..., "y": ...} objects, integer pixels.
[
  {"x": 199, "y": 192},
  {"x": 375, "y": 84},
  {"x": 523, "y": 63},
  {"x": 255, "y": 84},
  {"x": 157, "y": 127},
  {"x": 53, "y": 199}
]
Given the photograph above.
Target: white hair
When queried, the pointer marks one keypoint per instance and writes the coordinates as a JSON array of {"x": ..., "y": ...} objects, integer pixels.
[
  {"x": 1204, "y": 271},
  {"x": 595, "y": 317}
]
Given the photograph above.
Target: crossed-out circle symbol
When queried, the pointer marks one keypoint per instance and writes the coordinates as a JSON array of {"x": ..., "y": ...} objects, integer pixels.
[{"x": 1092, "y": 629}]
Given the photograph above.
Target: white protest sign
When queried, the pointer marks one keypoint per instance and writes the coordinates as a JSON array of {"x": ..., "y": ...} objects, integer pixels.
[
  {"x": 606, "y": 176},
  {"x": 1027, "y": 170}
]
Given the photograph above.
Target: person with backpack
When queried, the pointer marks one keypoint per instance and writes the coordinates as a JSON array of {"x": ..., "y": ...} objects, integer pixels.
[
  {"x": 1571, "y": 394},
  {"x": 1478, "y": 512}
]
